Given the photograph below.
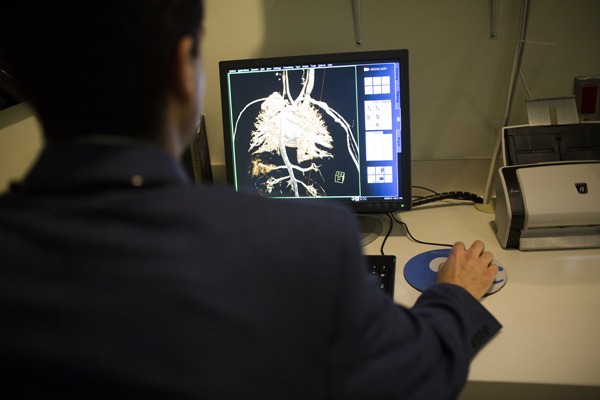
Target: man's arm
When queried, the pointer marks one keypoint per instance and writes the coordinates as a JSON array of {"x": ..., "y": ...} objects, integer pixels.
[{"x": 383, "y": 350}]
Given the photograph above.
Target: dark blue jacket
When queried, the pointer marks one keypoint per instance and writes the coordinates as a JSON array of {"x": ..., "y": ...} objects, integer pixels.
[{"x": 161, "y": 289}]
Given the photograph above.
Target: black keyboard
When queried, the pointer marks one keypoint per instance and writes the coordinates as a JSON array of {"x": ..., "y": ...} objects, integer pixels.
[{"x": 384, "y": 268}]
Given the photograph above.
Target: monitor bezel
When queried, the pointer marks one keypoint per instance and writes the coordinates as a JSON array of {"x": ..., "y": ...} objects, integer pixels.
[{"x": 400, "y": 56}]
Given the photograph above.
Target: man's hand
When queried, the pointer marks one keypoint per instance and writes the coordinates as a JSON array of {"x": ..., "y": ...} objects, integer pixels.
[{"x": 471, "y": 269}]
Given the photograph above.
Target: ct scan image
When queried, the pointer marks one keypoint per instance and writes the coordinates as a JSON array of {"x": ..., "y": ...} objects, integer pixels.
[{"x": 295, "y": 132}]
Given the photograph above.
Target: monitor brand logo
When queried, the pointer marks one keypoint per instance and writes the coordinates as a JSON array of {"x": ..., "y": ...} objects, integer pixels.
[{"x": 581, "y": 188}]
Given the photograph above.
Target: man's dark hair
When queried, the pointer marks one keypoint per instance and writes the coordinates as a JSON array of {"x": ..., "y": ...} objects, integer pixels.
[{"x": 100, "y": 67}]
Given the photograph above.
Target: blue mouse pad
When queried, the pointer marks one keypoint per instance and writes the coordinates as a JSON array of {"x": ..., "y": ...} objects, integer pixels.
[{"x": 421, "y": 270}]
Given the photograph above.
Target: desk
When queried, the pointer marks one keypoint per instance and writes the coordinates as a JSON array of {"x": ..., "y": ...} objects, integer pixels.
[{"x": 550, "y": 306}]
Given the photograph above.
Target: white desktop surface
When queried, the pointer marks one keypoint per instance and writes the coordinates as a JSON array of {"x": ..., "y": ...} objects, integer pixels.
[{"x": 549, "y": 307}]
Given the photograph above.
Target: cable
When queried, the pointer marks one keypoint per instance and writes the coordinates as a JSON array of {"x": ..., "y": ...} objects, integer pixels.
[
  {"x": 392, "y": 218},
  {"x": 424, "y": 200},
  {"x": 525, "y": 84},
  {"x": 515, "y": 68},
  {"x": 518, "y": 59},
  {"x": 388, "y": 233},
  {"x": 411, "y": 237},
  {"x": 424, "y": 188},
  {"x": 448, "y": 195}
]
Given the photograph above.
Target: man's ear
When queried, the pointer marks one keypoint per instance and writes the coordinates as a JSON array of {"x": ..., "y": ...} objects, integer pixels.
[{"x": 183, "y": 79}]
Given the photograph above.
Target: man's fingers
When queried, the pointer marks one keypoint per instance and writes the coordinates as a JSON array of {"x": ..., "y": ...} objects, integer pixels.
[
  {"x": 488, "y": 258},
  {"x": 472, "y": 268},
  {"x": 459, "y": 246},
  {"x": 477, "y": 248},
  {"x": 441, "y": 266}
]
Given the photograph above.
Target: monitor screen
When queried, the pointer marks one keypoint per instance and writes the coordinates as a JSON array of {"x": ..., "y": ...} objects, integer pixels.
[{"x": 329, "y": 127}]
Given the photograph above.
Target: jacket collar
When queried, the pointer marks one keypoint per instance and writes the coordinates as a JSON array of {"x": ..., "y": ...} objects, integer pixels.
[{"x": 99, "y": 164}]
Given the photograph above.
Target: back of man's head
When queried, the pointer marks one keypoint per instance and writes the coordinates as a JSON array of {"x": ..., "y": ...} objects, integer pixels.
[{"x": 99, "y": 67}]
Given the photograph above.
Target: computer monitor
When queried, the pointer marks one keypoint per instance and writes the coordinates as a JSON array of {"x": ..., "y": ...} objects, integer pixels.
[{"x": 320, "y": 128}]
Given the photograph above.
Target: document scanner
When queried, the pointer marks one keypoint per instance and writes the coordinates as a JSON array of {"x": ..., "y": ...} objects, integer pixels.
[{"x": 549, "y": 205}]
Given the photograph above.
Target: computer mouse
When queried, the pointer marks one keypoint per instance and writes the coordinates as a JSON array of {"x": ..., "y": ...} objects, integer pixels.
[{"x": 421, "y": 270}]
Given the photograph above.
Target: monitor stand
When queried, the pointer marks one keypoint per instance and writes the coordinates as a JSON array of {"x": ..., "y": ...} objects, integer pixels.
[{"x": 370, "y": 229}]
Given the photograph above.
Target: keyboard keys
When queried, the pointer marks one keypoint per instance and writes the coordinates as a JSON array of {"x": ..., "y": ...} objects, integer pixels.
[{"x": 384, "y": 267}]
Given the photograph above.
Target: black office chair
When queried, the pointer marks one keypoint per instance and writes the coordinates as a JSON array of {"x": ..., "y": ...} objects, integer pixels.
[{"x": 196, "y": 158}]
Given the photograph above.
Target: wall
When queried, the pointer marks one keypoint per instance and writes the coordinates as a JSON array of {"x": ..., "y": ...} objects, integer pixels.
[
  {"x": 458, "y": 76},
  {"x": 20, "y": 142}
]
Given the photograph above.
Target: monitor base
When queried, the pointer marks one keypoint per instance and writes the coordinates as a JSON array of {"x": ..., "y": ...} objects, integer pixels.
[{"x": 370, "y": 229}]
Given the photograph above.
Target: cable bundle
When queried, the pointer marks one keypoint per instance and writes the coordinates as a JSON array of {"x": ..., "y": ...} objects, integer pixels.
[{"x": 448, "y": 195}]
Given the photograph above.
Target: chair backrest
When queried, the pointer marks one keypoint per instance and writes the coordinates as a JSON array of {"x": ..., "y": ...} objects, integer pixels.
[{"x": 196, "y": 158}]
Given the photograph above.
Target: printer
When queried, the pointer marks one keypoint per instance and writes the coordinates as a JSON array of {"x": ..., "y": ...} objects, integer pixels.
[
  {"x": 548, "y": 192},
  {"x": 549, "y": 206}
]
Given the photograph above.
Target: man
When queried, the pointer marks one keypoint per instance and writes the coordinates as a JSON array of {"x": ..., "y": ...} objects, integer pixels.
[{"x": 120, "y": 279}]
